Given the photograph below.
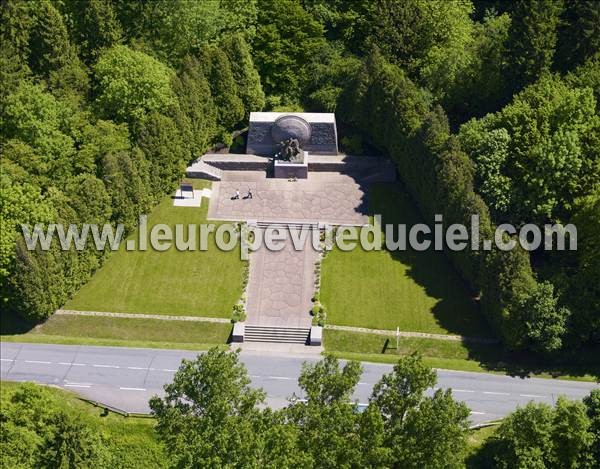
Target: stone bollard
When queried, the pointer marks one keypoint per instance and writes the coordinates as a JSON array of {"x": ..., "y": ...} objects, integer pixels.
[
  {"x": 239, "y": 329},
  {"x": 316, "y": 336}
]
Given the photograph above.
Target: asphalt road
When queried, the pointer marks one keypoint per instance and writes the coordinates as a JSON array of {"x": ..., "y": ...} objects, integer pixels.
[{"x": 126, "y": 378}]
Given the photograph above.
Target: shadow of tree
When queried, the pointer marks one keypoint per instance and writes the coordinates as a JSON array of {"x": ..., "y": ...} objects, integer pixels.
[
  {"x": 575, "y": 363},
  {"x": 457, "y": 309},
  {"x": 11, "y": 324}
]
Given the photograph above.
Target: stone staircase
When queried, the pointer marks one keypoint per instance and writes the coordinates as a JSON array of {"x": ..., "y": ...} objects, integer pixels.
[
  {"x": 285, "y": 335},
  {"x": 367, "y": 168},
  {"x": 200, "y": 169},
  {"x": 285, "y": 225},
  {"x": 237, "y": 162}
]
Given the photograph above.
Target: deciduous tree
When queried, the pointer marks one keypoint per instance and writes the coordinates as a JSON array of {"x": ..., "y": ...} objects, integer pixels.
[
  {"x": 287, "y": 37},
  {"x": 209, "y": 415},
  {"x": 420, "y": 431},
  {"x": 131, "y": 84},
  {"x": 538, "y": 435}
]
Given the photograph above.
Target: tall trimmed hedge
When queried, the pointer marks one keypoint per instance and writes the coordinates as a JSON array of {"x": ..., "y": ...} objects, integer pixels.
[{"x": 382, "y": 103}]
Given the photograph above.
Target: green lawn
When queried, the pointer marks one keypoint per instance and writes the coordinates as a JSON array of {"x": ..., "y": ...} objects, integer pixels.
[
  {"x": 416, "y": 291},
  {"x": 456, "y": 355},
  {"x": 345, "y": 341},
  {"x": 130, "y": 332},
  {"x": 195, "y": 283},
  {"x": 378, "y": 348}
]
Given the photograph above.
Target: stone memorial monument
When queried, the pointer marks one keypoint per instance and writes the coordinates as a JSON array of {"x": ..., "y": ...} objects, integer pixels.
[
  {"x": 315, "y": 132},
  {"x": 291, "y": 160}
]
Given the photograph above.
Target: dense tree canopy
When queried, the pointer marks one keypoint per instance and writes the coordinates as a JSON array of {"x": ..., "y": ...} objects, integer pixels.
[
  {"x": 210, "y": 416},
  {"x": 21, "y": 203},
  {"x": 38, "y": 432},
  {"x": 104, "y": 104},
  {"x": 95, "y": 27},
  {"x": 179, "y": 27},
  {"x": 287, "y": 37},
  {"x": 532, "y": 40},
  {"x": 583, "y": 290},
  {"x": 431, "y": 41},
  {"x": 487, "y": 108},
  {"x": 578, "y": 33},
  {"x": 537, "y": 155},
  {"x": 131, "y": 84},
  {"x": 539, "y": 435}
]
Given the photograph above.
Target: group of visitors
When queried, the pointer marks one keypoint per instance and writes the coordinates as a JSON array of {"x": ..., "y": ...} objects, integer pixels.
[{"x": 237, "y": 194}]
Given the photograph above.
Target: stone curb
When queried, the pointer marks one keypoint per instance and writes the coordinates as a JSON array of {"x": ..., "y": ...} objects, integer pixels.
[
  {"x": 422, "y": 335},
  {"x": 162, "y": 317}
]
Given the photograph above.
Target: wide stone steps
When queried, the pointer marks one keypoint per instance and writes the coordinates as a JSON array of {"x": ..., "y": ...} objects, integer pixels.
[
  {"x": 236, "y": 162},
  {"x": 287, "y": 335},
  {"x": 368, "y": 169},
  {"x": 286, "y": 225},
  {"x": 200, "y": 169}
]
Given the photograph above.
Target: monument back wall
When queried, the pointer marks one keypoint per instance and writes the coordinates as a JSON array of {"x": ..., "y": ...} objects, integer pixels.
[{"x": 322, "y": 140}]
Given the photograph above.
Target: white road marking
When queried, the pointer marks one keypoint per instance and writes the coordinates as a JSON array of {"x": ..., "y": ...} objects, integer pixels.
[
  {"x": 65, "y": 363},
  {"x": 531, "y": 395},
  {"x": 168, "y": 369},
  {"x": 462, "y": 390},
  {"x": 105, "y": 366},
  {"x": 132, "y": 389},
  {"x": 280, "y": 377},
  {"x": 38, "y": 361},
  {"x": 6, "y": 360},
  {"x": 77, "y": 386},
  {"x": 477, "y": 413},
  {"x": 78, "y": 364},
  {"x": 136, "y": 368},
  {"x": 497, "y": 393}
]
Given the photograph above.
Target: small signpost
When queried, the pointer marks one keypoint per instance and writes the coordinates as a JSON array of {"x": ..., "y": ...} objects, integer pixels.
[
  {"x": 186, "y": 189},
  {"x": 397, "y": 339}
]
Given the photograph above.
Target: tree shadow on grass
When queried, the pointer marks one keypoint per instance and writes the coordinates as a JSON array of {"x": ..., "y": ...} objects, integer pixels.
[
  {"x": 457, "y": 310},
  {"x": 12, "y": 324},
  {"x": 575, "y": 363}
]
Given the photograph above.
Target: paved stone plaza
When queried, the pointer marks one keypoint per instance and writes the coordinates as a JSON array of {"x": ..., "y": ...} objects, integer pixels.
[
  {"x": 281, "y": 286},
  {"x": 325, "y": 188},
  {"x": 281, "y": 283},
  {"x": 324, "y": 197}
]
